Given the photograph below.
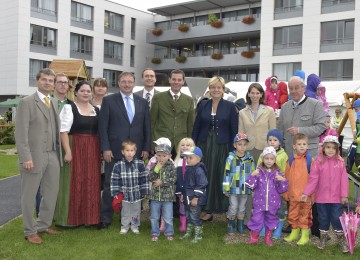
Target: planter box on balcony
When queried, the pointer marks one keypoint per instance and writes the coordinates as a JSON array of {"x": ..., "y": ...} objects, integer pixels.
[
  {"x": 216, "y": 24},
  {"x": 248, "y": 20},
  {"x": 248, "y": 54},
  {"x": 217, "y": 56},
  {"x": 183, "y": 27},
  {"x": 157, "y": 31},
  {"x": 180, "y": 59},
  {"x": 156, "y": 60}
]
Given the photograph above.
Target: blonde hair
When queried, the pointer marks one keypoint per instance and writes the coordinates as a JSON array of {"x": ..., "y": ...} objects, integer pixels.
[
  {"x": 215, "y": 80},
  {"x": 186, "y": 140}
]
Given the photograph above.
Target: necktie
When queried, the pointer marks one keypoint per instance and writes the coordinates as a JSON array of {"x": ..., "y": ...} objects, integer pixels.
[
  {"x": 148, "y": 98},
  {"x": 176, "y": 97},
  {"x": 129, "y": 109},
  {"x": 47, "y": 102}
]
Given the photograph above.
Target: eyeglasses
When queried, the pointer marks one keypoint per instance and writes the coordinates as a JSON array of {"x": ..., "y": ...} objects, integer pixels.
[
  {"x": 123, "y": 82},
  {"x": 62, "y": 82}
]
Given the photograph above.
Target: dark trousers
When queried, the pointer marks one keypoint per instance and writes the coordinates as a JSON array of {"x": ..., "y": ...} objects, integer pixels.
[
  {"x": 106, "y": 210},
  {"x": 193, "y": 215},
  {"x": 329, "y": 213},
  {"x": 315, "y": 222}
]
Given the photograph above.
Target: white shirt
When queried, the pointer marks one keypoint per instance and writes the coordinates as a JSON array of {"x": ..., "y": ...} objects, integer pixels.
[
  {"x": 42, "y": 96},
  {"x": 173, "y": 94}
]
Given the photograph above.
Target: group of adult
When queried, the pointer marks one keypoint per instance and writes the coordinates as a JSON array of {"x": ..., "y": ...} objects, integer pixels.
[{"x": 96, "y": 123}]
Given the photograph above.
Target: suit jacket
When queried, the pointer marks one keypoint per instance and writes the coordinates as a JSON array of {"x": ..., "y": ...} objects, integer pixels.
[
  {"x": 168, "y": 120},
  {"x": 257, "y": 130},
  {"x": 115, "y": 127},
  {"x": 226, "y": 122},
  {"x": 31, "y": 129},
  {"x": 141, "y": 92}
]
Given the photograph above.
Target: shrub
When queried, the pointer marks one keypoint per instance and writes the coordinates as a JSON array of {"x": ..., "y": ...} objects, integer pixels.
[
  {"x": 180, "y": 59},
  {"x": 7, "y": 134},
  {"x": 156, "y": 60},
  {"x": 248, "y": 20},
  {"x": 157, "y": 31},
  {"x": 183, "y": 27}
]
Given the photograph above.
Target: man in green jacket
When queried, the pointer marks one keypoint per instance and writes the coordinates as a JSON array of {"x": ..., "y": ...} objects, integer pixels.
[{"x": 172, "y": 112}]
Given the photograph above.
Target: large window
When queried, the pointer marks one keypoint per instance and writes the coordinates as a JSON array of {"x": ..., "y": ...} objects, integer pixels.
[
  {"x": 81, "y": 13},
  {"x": 44, "y": 6},
  {"x": 337, "y": 32},
  {"x": 81, "y": 43},
  {"x": 287, "y": 5},
  {"x": 288, "y": 40},
  {"x": 113, "y": 21},
  {"x": 285, "y": 70},
  {"x": 42, "y": 36},
  {"x": 113, "y": 50},
  {"x": 111, "y": 77},
  {"x": 34, "y": 67},
  {"x": 335, "y": 6},
  {"x": 331, "y": 70}
]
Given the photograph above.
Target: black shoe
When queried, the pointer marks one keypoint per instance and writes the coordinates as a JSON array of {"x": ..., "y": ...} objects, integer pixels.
[{"x": 103, "y": 225}]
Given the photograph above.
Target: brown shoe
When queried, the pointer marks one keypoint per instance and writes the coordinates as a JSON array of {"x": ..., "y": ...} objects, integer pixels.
[
  {"x": 34, "y": 239},
  {"x": 50, "y": 231}
]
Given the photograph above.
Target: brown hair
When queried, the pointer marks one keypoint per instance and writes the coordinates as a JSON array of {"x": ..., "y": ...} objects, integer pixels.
[
  {"x": 61, "y": 75},
  {"x": 260, "y": 89},
  {"x": 300, "y": 136},
  {"x": 142, "y": 74},
  {"x": 101, "y": 82},
  {"x": 123, "y": 74},
  {"x": 274, "y": 167},
  {"x": 176, "y": 72},
  {"x": 45, "y": 71},
  {"x": 128, "y": 142}
]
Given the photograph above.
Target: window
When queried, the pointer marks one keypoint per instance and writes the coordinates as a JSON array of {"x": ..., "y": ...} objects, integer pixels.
[
  {"x": 113, "y": 50},
  {"x": 113, "y": 21},
  {"x": 133, "y": 28},
  {"x": 235, "y": 15},
  {"x": 287, "y": 5},
  {"x": 81, "y": 13},
  {"x": 34, "y": 67},
  {"x": 81, "y": 43},
  {"x": 201, "y": 20},
  {"x": 90, "y": 71},
  {"x": 337, "y": 32},
  {"x": 111, "y": 77},
  {"x": 44, "y": 6},
  {"x": 288, "y": 40},
  {"x": 132, "y": 56},
  {"x": 42, "y": 36},
  {"x": 285, "y": 70},
  {"x": 331, "y": 70},
  {"x": 326, "y": 3},
  {"x": 163, "y": 25}
]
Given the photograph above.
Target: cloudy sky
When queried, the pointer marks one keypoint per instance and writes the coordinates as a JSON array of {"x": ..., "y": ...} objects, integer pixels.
[{"x": 144, "y": 5}]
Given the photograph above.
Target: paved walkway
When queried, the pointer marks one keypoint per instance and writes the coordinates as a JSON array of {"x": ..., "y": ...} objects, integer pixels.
[{"x": 10, "y": 193}]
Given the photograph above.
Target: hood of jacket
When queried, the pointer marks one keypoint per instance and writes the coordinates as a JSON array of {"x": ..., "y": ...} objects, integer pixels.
[
  {"x": 283, "y": 90},
  {"x": 312, "y": 83}
]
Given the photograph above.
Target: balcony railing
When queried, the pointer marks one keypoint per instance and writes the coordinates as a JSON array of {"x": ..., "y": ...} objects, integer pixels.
[
  {"x": 82, "y": 20},
  {"x": 43, "y": 11}
]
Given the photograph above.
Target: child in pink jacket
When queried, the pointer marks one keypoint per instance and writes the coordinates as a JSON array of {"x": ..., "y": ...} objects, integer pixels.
[
  {"x": 329, "y": 179},
  {"x": 272, "y": 92}
]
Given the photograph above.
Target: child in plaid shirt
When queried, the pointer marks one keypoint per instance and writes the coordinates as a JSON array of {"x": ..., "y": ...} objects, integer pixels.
[{"x": 130, "y": 178}]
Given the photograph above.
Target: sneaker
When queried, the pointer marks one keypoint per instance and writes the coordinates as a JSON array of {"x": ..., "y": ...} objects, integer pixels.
[
  {"x": 154, "y": 238},
  {"x": 135, "y": 231},
  {"x": 170, "y": 238},
  {"x": 123, "y": 231}
]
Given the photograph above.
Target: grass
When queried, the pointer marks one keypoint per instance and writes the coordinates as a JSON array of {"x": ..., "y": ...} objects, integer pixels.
[
  {"x": 8, "y": 163},
  {"x": 89, "y": 243}
]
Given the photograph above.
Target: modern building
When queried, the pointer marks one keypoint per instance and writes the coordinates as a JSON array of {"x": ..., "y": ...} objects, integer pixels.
[{"x": 108, "y": 36}]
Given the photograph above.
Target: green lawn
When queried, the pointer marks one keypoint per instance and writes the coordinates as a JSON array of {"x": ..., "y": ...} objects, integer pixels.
[
  {"x": 8, "y": 163},
  {"x": 89, "y": 243}
]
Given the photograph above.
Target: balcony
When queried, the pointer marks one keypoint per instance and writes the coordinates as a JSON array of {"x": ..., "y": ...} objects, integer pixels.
[
  {"x": 291, "y": 48},
  {"x": 288, "y": 12},
  {"x": 82, "y": 23},
  {"x": 204, "y": 31},
  {"x": 81, "y": 54},
  {"x": 43, "y": 47},
  {"x": 45, "y": 14},
  {"x": 336, "y": 45},
  {"x": 196, "y": 62},
  {"x": 331, "y": 6}
]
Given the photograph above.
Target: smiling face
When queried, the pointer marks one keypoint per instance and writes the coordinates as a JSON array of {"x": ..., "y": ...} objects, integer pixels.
[
  {"x": 126, "y": 84},
  {"x": 84, "y": 93},
  {"x": 185, "y": 146},
  {"x": 176, "y": 82},
  {"x": 45, "y": 83},
  {"x": 217, "y": 90},
  {"x": 330, "y": 149},
  {"x": 254, "y": 95},
  {"x": 149, "y": 79},
  {"x": 296, "y": 89}
]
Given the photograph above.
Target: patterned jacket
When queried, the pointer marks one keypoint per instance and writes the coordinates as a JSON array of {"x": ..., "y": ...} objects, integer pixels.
[
  {"x": 167, "y": 176},
  {"x": 131, "y": 179},
  {"x": 237, "y": 170},
  {"x": 267, "y": 189}
]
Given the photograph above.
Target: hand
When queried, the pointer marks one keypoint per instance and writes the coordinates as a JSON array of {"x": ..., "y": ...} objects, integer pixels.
[
  {"x": 159, "y": 164},
  {"x": 108, "y": 155},
  {"x": 344, "y": 200},
  {"x": 181, "y": 199},
  {"x": 67, "y": 157},
  {"x": 357, "y": 210},
  {"x": 194, "y": 202},
  {"x": 255, "y": 173},
  {"x": 157, "y": 183},
  {"x": 293, "y": 130},
  {"x": 28, "y": 165},
  {"x": 144, "y": 155},
  {"x": 304, "y": 198}
]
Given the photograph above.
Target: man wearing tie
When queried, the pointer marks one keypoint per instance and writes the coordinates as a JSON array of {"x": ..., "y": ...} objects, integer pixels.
[
  {"x": 172, "y": 112},
  {"x": 37, "y": 137},
  {"x": 122, "y": 116},
  {"x": 149, "y": 80}
]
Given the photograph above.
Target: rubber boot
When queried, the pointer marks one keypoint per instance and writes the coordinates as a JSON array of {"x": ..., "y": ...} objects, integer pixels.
[
  {"x": 304, "y": 237},
  {"x": 230, "y": 226},
  {"x": 254, "y": 238},
  {"x": 182, "y": 227},
  {"x": 267, "y": 239},
  {"x": 198, "y": 234},
  {"x": 240, "y": 227},
  {"x": 262, "y": 232},
  {"x": 343, "y": 244},
  {"x": 323, "y": 239},
  {"x": 162, "y": 224},
  {"x": 278, "y": 230},
  {"x": 294, "y": 235},
  {"x": 189, "y": 230}
]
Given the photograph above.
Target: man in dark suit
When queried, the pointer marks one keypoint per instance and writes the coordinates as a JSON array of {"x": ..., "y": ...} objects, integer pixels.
[
  {"x": 37, "y": 137},
  {"x": 149, "y": 80},
  {"x": 122, "y": 116}
]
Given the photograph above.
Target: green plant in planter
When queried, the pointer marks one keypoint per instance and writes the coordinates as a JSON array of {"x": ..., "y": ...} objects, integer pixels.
[
  {"x": 180, "y": 59},
  {"x": 248, "y": 20},
  {"x": 157, "y": 31},
  {"x": 217, "y": 56},
  {"x": 156, "y": 60},
  {"x": 214, "y": 21},
  {"x": 247, "y": 54},
  {"x": 183, "y": 27}
]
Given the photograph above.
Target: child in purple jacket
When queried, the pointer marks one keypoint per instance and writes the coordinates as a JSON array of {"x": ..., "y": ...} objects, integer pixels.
[{"x": 267, "y": 183}]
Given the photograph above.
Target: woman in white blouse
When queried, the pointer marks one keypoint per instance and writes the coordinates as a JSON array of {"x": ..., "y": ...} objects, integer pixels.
[{"x": 80, "y": 120}]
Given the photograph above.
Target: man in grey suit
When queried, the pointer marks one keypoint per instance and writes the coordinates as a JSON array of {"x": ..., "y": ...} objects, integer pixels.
[
  {"x": 149, "y": 80},
  {"x": 38, "y": 145},
  {"x": 122, "y": 116}
]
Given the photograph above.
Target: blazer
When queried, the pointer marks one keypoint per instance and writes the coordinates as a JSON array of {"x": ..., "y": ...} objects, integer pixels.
[
  {"x": 169, "y": 121},
  {"x": 257, "y": 130},
  {"x": 31, "y": 129},
  {"x": 226, "y": 122},
  {"x": 141, "y": 93},
  {"x": 115, "y": 127}
]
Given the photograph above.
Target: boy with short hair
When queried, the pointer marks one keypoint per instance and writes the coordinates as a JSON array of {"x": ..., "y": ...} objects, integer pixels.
[
  {"x": 194, "y": 192},
  {"x": 162, "y": 194},
  {"x": 297, "y": 175},
  {"x": 130, "y": 178},
  {"x": 239, "y": 165}
]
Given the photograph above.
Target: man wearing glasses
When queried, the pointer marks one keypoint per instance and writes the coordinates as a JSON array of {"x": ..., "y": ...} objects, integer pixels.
[{"x": 122, "y": 116}]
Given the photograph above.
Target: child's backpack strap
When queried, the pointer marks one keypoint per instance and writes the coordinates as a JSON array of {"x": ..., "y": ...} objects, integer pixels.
[{"x": 308, "y": 161}]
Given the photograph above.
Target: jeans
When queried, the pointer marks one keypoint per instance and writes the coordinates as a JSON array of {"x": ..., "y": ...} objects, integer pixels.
[
  {"x": 166, "y": 210},
  {"x": 193, "y": 215},
  {"x": 237, "y": 206},
  {"x": 329, "y": 213}
]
